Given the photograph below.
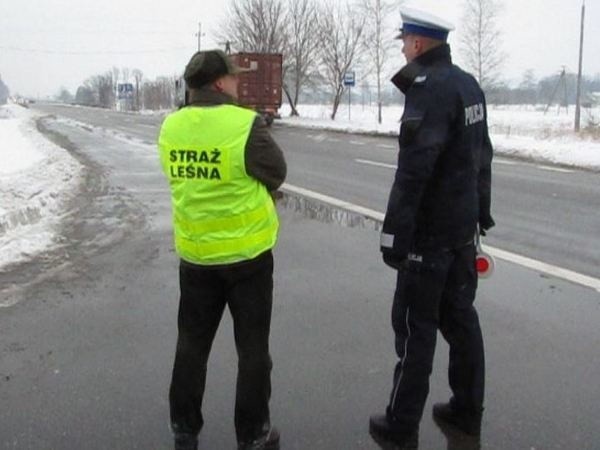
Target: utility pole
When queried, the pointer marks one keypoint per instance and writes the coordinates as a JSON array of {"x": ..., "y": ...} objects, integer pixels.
[
  {"x": 199, "y": 34},
  {"x": 578, "y": 101},
  {"x": 562, "y": 82}
]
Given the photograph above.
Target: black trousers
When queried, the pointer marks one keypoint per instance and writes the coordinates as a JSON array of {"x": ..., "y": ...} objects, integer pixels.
[
  {"x": 436, "y": 290},
  {"x": 247, "y": 289}
]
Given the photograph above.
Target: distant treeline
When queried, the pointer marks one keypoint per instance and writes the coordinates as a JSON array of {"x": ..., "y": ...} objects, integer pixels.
[
  {"x": 161, "y": 93},
  {"x": 555, "y": 89},
  {"x": 101, "y": 91}
]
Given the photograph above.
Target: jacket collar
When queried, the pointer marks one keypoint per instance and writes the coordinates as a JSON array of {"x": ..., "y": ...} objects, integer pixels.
[
  {"x": 208, "y": 97},
  {"x": 404, "y": 79}
]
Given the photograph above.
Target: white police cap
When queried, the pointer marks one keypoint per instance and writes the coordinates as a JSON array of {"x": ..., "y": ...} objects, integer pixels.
[{"x": 423, "y": 24}]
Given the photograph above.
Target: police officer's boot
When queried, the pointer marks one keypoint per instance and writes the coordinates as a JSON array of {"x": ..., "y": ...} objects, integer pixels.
[
  {"x": 185, "y": 441},
  {"x": 268, "y": 441},
  {"x": 468, "y": 422},
  {"x": 386, "y": 430}
]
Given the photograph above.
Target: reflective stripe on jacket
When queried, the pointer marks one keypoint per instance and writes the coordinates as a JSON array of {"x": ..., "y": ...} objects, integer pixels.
[{"x": 221, "y": 215}]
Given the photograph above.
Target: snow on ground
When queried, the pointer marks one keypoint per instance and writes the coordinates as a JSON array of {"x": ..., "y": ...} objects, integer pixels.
[
  {"x": 37, "y": 178},
  {"x": 523, "y": 131}
]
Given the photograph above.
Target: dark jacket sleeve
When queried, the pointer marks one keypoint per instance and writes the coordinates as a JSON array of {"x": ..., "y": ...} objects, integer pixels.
[
  {"x": 264, "y": 159},
  {"x": 424, "y": 131},
  {"x": 484, "y": 185}
]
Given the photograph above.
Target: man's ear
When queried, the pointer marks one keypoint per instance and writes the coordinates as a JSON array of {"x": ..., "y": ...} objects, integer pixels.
[
  {"x": 218, "y": 85},
  {"x": 419, "y": 45}
]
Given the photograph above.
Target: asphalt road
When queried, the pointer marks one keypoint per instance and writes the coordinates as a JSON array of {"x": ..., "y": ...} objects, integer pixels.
[
  {"x": 543, "y": 212},
  {"x": 86, "y": 351}
]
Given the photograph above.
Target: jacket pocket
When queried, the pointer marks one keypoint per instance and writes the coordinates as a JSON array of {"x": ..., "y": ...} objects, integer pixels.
[{"x": 409, "y": 128}]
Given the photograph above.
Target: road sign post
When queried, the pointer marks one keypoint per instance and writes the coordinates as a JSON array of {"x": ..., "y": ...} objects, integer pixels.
[
  {"x": 124, "y": 96},
  {"x": 349, "y": 81}
]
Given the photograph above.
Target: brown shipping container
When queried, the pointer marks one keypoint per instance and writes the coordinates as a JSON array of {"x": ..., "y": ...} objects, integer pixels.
[{"x": 260, "y": 88}]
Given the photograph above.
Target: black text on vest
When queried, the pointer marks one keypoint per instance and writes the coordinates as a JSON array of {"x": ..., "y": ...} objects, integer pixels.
[{"x": 195, "y": 164}]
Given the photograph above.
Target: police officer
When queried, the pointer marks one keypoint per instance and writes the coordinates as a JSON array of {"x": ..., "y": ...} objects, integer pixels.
[
  {"x": 440, "y": 195},
  {"x": 222, "y": 166}
]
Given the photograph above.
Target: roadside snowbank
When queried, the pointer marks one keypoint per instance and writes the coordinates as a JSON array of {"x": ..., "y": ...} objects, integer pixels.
[
  {"x": 37, "y": 178},
  {"x": 520, "y": 131}
]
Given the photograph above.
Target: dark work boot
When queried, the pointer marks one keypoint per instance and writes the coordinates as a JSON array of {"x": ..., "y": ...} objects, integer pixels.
[
  {"x": 268, "y": 441},
  {"x": 381, "y": 428},
  {"x": 466, "y": 421},
  {"x": 185, "y": 441}
]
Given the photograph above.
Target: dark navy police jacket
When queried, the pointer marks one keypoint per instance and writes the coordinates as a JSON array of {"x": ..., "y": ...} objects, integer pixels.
[{"x": 442, "y": 186}]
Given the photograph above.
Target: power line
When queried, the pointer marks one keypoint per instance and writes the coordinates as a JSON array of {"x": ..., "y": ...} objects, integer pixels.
[
  {"x": 92, "y": 52},
  {"x": 87, "y": 31}
]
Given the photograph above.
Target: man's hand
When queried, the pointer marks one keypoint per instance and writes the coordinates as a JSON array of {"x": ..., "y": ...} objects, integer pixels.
[
  {"x": 276, "y": 195},
  {"x": 485, "y": 225}
]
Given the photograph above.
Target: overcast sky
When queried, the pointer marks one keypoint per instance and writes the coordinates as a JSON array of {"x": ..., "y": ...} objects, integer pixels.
[{"x": 45, "y": 44}]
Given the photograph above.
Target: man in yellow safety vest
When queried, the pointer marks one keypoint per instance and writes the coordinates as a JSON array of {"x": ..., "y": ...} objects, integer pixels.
[{"x": 222, "y": 166}]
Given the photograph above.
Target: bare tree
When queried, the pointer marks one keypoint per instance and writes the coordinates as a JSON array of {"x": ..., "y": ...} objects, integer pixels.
[
  {"x": 378, "y": 39},
  {"x": 102, "y": 88},
  {"x": 255, "y": 26},
  {"x": 277, "y": 26},
  {"x": 116, "y": 73},
  {"x": 85, "y": 96},
  {"x": 125, "y": 74},
  {"x": 528, "y": 88},
  {"x": 300, "y": 57},
  {"x": 138, "y": 75},
  {"x": 528, "y": 80},
  {"x": 64, "y": 95},
  {"x": 481, "y": 40},
  {"x": 159, "y": 94},
  {"x": 340, "y": 31}
]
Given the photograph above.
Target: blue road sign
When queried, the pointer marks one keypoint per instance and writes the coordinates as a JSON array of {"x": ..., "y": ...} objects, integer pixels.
[
  {"x": 349, "y": 79},
  {"x": 125, "y": 90}
]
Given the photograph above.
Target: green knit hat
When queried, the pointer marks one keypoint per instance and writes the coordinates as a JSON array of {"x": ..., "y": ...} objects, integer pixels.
[{"x": 207, "y": 66}]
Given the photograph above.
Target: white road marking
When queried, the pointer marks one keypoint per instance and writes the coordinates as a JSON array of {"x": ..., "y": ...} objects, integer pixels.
[
  {"x": 317, "y": 137},
  {"x": 333, "y": 201},
  {"x": 504, "y": 161},
  {"x": 543, "y": 267},
  {"x": 375, "y": 163},
  {"x": 386, "y": 146},
  {"x": 555, "y": 169},
  {"x": 496, "y": 161},
  {"x": 539, "y": 266},
  {"x": 357, "y": 142},
  {"x": 148, "y": 126}
]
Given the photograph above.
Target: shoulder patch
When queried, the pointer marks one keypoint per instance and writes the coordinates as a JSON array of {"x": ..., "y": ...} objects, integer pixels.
[{"x": 420, "y": 79}]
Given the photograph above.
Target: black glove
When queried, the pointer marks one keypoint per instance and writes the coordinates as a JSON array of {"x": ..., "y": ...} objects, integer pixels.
[
  {"x": 393, "y": 260},
  {"x": 485, "y": 224}
]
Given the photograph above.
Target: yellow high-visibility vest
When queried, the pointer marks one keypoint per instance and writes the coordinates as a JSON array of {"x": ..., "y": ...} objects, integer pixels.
[{"x": 221, "y": 215}]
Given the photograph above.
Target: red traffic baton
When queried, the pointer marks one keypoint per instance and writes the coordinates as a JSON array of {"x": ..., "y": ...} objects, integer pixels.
[{"x": 484, "y": 262}]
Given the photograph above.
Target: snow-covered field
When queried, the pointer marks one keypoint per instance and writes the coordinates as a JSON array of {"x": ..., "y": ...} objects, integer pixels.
[
  {"x": 37, "y": 178},
  {"x": 523, "y": 131}
]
